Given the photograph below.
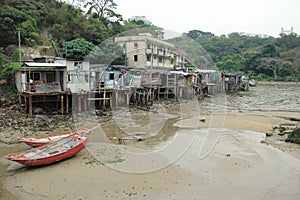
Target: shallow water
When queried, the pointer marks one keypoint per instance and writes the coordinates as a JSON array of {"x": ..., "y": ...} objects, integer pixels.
[
  {"x": 261, "y": 98},
  {"x": 160, "y": 125},
  {"x": 267, "y": 98}
]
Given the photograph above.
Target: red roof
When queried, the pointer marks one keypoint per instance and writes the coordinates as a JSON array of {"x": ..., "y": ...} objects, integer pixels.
[{"x": 180, "y": 52}]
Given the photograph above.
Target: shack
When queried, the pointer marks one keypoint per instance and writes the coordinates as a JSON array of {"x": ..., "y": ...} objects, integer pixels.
[
  {"x": 39, "y": 84},
  {"x": 212, "y": 82},
  {"x": 107, "y": 86},
  {"x": 234, "y": 82}
]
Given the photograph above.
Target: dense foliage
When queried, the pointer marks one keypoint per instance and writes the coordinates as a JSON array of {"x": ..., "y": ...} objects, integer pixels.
[
  {"x": 259, "y": 56},
  {"x": 56, "y": 20}
]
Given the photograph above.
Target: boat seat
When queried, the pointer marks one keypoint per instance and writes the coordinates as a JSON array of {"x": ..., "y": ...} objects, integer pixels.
[{"x": 71, "y": 144}]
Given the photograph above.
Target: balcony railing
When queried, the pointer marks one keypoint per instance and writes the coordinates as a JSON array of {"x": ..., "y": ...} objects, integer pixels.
[{"x": 43, "y": 88}]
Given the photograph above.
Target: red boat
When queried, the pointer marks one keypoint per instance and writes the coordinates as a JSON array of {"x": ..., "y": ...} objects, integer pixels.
[
  {"x": 37, "y": 141},
  {"x": 51, "y": 152}
]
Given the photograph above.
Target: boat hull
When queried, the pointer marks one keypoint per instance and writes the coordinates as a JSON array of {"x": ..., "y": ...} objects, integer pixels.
[
  {"x": 24, "y": 157},
  {"x": 50, "y": 160},
  {"x": 252, "y": 84},
  {"x": 37, "y": 141}
]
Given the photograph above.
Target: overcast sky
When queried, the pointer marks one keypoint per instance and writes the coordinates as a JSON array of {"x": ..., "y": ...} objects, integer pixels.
[{"x": 217, "y": 16}]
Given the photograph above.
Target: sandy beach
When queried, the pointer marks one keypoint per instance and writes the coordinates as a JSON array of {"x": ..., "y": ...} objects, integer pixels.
[{"x": 239, "y": 166}]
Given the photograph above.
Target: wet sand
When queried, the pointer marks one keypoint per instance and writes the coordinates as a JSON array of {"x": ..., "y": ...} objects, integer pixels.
[{"x": 238, "y": 167}]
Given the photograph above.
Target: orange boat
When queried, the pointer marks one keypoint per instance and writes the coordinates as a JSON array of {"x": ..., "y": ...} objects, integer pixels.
[
  {"x": 51, "y": 152},
  {"x": 37, "y": 141}
]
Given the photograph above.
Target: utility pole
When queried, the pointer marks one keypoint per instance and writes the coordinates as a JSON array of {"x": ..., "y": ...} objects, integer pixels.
[{"x": 19, "y": 38}]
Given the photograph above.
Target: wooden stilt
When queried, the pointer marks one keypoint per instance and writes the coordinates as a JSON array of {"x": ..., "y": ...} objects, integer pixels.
[
  {"x": 89, "y": 102},
  {"x": 62, "y": 104},
  {"x": 110, "y": 100},
  {"x": 57, "y": 100},
  {"x": 20, "y": 99},
  {"x": 30, "y": 106},
  {"x": 25, "y": 102},
  {"x": 67, "y": 103},
  {"x": 104, "y": 98},
  {"x": 145, "y": 96},
  {"x": 117, "y": 97},
  {"x": 79, "y": 103},
  {"x": 127, "y": 99},
  {"x": 84, "y": 102}
]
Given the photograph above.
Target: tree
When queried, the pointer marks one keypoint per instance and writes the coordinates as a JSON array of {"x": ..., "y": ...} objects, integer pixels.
[
  {"x": 65, "y": 22},
  {"x": 95, "y": 31},
  {"x": 194, "y": 34},
  {"x": 3, "y": 59},
  {"x": 287, "y": 42},
  {"x": 273, "y": 65},
  {"x": 108, "y": 52},
  {"x": 232, "y": 63},
  {"x": 105, "y": 53},
  {"x": 131, "y": 28},
  {"x": 78, "y": 49},
  {"x": 8, "y": 73},
  {"x": 286, "y": 70},
  {"x": 13, "y": 20},
  {"x": 103, "y": 10},
  {"x": 252, "y": 61},
  {"x": 269, "y": 50}
]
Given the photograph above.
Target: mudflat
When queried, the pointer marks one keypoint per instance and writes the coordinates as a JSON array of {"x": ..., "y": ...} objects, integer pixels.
[{"x": 237, "y": 165}]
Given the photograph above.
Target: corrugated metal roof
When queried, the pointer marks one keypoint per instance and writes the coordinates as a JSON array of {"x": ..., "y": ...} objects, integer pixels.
[
  {"x": 33, "y": 64},
  {"x": 205, "y": 70}
]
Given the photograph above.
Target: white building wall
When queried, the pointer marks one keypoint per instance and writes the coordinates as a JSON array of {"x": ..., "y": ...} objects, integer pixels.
[
  {"x": 77, "y": 78},
  {"x": 137, "y": 47}
]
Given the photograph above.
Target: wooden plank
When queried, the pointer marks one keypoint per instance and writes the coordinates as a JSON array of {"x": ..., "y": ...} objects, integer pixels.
[{"x": 93, "y": 99}]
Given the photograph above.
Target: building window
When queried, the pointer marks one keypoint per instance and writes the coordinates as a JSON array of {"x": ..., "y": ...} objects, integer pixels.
[
  {"x": 135, "y": 58},
  {"x": 148, "y": 57},
  {"x": 50, "y": 77},
  {"x": 160, "y": 59},
  {"x": 112, "y": 76},
  {"x": 35, "y": 76},
  {"x": 148, "y": 46},
  {"x": 135, "y": 45},
  {"x": 124, "y": 48},
  {"x": 78, "y": 65}
]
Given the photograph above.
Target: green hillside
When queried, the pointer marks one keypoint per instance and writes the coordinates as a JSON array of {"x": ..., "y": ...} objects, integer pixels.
[
  {"x": 262, "y": 57},
  {"x": 56, "y": 28}
]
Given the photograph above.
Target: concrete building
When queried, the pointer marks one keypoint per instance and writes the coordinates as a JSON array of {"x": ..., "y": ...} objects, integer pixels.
[
  {"x": 78, "y": 78},
  {"x": 145, "y": 51},
  {"x": 180, "y": 59}
]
